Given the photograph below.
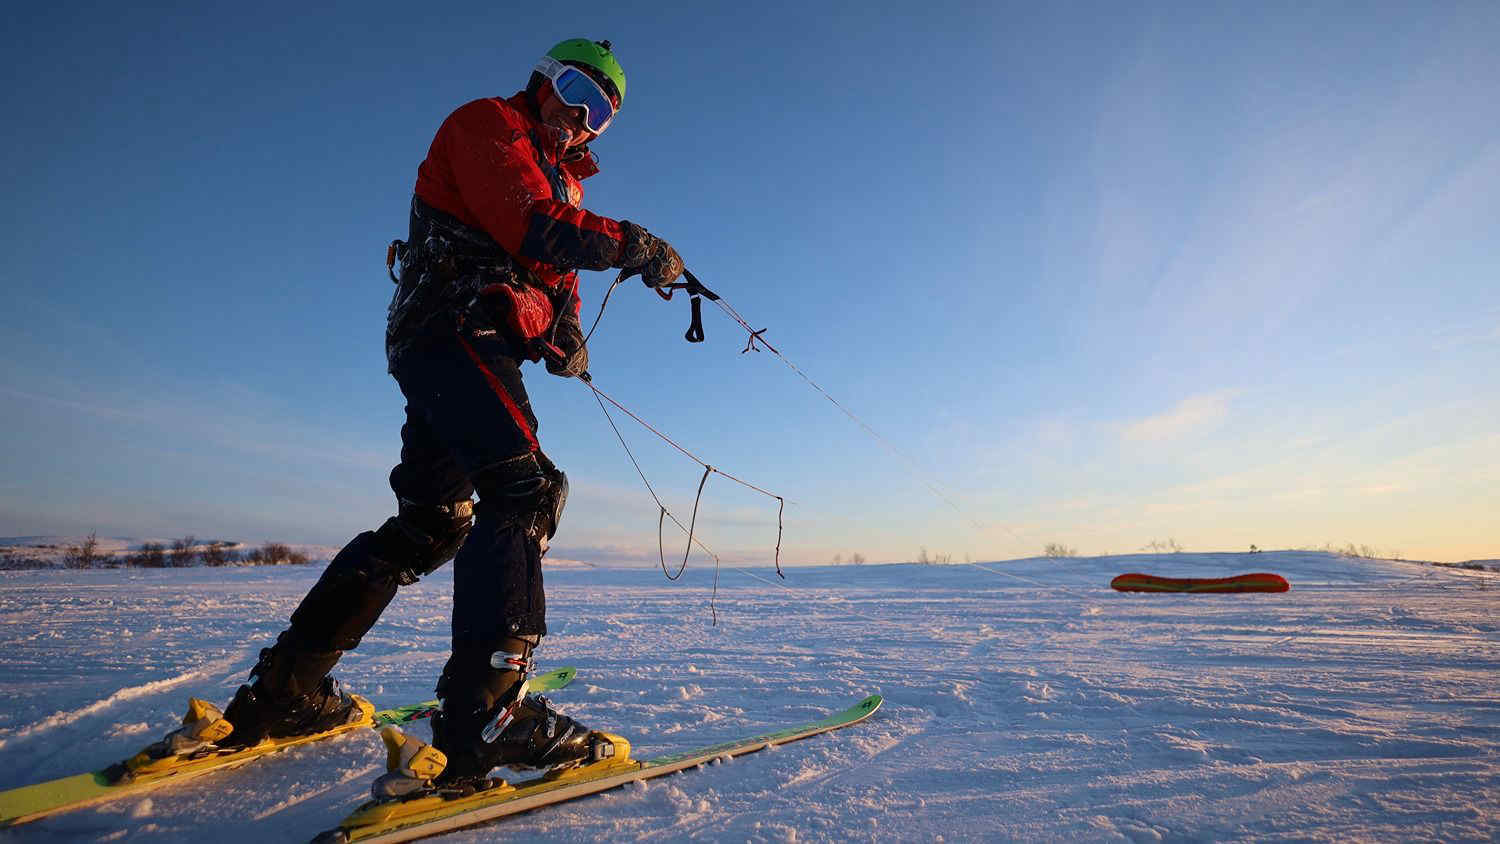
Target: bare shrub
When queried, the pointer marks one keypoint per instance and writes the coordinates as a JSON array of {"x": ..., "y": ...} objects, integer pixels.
[
  {"x": 85, "y": 555},
  {"x": 1362, "y": 552},
  {"x": 927, "y": 559},
  {"x": 218, "y": 553},
  {"x": 183, "y": 553},
  {"x": 857, "y": 559},
  {"x": 1159, "y": 546},
  {"x": 14, "y": 559},
  {"x": 152, "y": 555},
  {"x": 1057, "y": 551},
  {"x": 276, "y": 554}
]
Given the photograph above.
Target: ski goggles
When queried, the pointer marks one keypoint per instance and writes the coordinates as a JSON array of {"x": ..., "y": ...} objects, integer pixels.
[{"x": 577, "y": 90}]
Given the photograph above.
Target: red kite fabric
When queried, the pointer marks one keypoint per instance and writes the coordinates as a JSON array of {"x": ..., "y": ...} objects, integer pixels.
[{"x": 1259, "y": 582}]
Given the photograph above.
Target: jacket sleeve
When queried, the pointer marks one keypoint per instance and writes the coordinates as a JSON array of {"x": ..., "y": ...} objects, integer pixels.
[{"x": 497, "y": 176}]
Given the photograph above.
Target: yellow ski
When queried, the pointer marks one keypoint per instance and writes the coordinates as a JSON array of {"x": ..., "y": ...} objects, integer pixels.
[
  {"x": 145, "y": 771},
  {"x": 442, "y": 810}
]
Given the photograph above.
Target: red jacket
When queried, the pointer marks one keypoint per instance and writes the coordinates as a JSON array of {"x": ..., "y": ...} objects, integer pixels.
[{"x": 488, "y": 166}]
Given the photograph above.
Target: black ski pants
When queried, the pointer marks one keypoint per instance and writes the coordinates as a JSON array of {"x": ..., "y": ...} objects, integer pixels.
[{"x": 468, "y": 419}]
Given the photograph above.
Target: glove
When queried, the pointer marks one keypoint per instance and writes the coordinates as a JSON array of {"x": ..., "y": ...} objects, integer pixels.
[
  {"x": 569, "y": 339},
  {"x": 654, "y": 258}
]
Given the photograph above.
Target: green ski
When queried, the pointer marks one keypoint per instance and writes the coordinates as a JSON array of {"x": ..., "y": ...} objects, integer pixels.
[
  {"x": 438, "y": 810},
  {"x": 139, "y": 773}
]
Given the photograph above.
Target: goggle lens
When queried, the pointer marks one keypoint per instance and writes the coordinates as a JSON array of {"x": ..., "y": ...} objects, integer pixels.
[{"x": 576, "y": 89}]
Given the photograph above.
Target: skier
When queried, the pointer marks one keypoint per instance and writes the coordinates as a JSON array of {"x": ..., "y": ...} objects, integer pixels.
[{"x": 488, "y": 280}]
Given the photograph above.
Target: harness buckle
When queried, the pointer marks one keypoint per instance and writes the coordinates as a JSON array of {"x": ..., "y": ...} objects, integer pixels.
[{"x": 394, "y": 252}]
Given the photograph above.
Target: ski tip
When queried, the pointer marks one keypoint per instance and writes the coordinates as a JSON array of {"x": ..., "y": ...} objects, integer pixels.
[{"x": 870, "y": 704}]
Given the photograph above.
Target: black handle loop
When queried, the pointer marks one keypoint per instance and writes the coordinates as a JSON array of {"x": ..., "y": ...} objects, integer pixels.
[
  {"x": 695, "y": 330},
  {"x": 697, "y": 292}
]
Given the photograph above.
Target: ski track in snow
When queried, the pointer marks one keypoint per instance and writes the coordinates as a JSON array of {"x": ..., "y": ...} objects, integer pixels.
[
  {"x": 59, "y": 719},
  {"x": 1024, "y": 700}
]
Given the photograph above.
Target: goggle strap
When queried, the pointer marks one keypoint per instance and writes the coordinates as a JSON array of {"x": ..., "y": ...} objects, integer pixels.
[{"x": 549, "y": 67}]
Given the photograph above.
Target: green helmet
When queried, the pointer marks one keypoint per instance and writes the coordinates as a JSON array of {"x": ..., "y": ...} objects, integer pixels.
[{"x": 594, "y": 55}]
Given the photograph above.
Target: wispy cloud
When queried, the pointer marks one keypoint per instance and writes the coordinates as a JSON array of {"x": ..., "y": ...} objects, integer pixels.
[{"x": 1191, "y": 414}]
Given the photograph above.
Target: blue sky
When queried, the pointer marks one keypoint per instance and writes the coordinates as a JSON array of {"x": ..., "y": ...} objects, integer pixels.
[{"x": 1103, "y": 275}]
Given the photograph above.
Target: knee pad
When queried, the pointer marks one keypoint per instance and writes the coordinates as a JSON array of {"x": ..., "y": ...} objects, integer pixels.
[
  {"x": 420, "y": 538},
  {"x": 363, "y": 577},
  {"x": 528, "y": 492}
]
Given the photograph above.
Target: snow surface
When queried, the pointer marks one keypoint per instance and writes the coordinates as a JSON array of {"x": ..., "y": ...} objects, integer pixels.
[{"x": 1024, "y": 700}]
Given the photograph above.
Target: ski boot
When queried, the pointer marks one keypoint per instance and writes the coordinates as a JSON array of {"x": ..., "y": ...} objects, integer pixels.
[
  {"x": 488, "y": 720},
  {"x": 290, "y": 695},
  {"x": 525, "y": 734}
]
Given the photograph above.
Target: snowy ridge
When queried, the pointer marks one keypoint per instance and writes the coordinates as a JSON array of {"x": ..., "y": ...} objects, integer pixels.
[{"x": 1024, "y": 699}]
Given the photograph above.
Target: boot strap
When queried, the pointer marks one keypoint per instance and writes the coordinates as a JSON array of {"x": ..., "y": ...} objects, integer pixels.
[
  {"x": 507, "y": 713},
  {"x": 511, "y": 661}
]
